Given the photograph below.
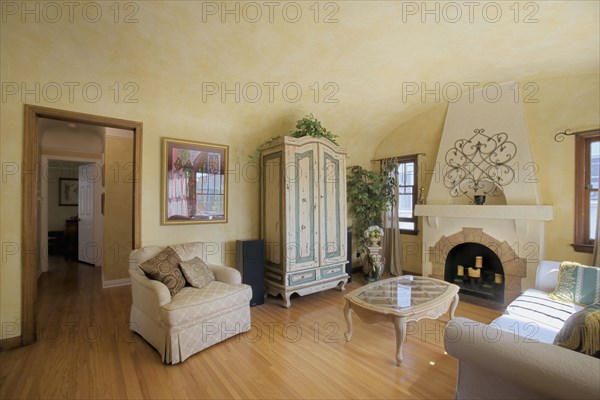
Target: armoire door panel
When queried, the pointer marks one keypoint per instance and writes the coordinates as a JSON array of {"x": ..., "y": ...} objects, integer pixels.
[
  {"x": 332, "y": 211},
  {"x": 272, "y": 202},
  {"x": 302, "y": 218}
]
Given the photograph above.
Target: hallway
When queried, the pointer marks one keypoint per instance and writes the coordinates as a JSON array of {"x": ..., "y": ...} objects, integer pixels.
[{"x": 82, "y": 330}]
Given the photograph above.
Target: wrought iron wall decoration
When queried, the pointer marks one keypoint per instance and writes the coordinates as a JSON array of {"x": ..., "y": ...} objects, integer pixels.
[
  {"x": 560, "y": 136},
  {"x": 479, "y": 165}
]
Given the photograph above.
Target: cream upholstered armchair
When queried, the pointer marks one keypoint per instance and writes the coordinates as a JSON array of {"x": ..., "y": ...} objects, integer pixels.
[{"x": 193, "y": 319}]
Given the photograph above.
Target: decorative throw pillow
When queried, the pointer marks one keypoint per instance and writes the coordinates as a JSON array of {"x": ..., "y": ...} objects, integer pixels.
[
  {"x": 196, "y": 272},
  {"x": 577, "y": 284},
  {"x": 581, "y": 332},
  {"x": 164, "y": 267}
]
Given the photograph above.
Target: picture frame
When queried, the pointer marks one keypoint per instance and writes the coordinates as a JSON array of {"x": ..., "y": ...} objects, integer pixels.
[
  {"x": 194, "y": 182},
  {"x": 68, "y": 192}
]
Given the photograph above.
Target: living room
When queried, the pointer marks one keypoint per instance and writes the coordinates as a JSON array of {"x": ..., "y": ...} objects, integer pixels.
[{"x": 382, "y": 76}]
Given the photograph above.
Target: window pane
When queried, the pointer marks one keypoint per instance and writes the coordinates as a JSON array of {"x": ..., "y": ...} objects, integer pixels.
[
  {"x": 410, "y": 226},
  {"x": 401, "y": 173},
  {"x": 587, "y": 175},
  {"x": 594, "y": 164},
  {"x": 406, "y": 181},
  {"x": 410, "y": 173},
  {"x": 593, "y": 214},
  {"x": 405, "y": 206}
]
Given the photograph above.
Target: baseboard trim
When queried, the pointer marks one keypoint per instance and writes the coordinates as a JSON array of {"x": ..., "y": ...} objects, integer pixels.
[
  {"x": 116, "y": 282},
  {"x": 10, "y": 343}
]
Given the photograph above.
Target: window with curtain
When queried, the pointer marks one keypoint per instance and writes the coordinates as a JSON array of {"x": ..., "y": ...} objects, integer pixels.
[
  {"x": 587, "y": 171},
  {"x": 407, "y": 193}
]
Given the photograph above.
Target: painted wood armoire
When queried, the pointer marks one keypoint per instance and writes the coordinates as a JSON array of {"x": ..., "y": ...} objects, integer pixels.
[{"x": 303, "y": 216}]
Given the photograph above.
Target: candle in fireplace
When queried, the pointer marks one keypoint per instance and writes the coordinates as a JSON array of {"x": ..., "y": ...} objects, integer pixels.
[
  {"x": 478, "y": 262},
  {"x": 498, "y": 278},
  {"x": 474, "y": 273},
  {"x": 460, "y": 270}
]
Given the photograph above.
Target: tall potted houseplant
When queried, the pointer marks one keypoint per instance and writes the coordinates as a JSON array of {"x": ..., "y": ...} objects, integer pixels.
[{"x": 370, "y": 194}]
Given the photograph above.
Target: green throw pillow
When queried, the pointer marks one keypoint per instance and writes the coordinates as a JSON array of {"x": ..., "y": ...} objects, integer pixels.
[
  {"x": 577, "y": 284},
  {"x": 581, "y": 332}
]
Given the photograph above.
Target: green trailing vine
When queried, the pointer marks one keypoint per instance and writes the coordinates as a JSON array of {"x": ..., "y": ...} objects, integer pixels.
[{"x": 370, "y": 194}]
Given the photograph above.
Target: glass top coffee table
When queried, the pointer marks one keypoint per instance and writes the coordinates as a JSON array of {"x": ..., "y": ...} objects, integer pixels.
[{"x": 400, "y": 300}]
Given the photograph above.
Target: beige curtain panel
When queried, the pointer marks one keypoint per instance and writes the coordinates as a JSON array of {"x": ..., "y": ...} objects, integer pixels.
[
  {"x": 392, "y": 244},
  {"x": 595, "y": 257}
]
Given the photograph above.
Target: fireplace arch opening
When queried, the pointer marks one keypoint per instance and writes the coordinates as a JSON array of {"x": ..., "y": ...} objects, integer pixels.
[{"x": 486, "y": 282}]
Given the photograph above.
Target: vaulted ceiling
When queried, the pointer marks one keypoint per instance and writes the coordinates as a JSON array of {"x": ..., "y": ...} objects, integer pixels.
[
  {"x": 363, "y": 67},
  {"x": 373, "y": 60}
]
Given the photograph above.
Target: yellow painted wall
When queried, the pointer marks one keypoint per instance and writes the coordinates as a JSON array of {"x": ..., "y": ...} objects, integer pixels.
[
  {"x": 566, "y": 102},
  {"x": 152, "y": 62},
  {"x": 118, "y": 203},
  {"x": 558, "y": 103},
  {"x": 418, "y": 135},
  {"x": 156, "y": 70}
]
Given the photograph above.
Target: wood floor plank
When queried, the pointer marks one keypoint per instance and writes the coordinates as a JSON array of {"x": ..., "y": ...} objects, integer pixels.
[{"x": 85, "y": 350}]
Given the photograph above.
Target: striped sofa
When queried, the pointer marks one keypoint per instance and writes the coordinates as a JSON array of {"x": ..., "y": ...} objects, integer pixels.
[
  {"x": 534, "y": 314},
  {"x": 514, "y": 356}
]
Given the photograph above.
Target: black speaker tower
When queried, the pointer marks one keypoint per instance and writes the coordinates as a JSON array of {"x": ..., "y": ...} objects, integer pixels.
[{"x": 250, "y": 262}]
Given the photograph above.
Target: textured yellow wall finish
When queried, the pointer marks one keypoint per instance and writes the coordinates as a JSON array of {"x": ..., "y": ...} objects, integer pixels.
[
  {"x": 552, "y": 105},
  {"x": 568, "y": 102},
  {"x": 118, "y": 206},
  {"x": 190, "y": 70}
]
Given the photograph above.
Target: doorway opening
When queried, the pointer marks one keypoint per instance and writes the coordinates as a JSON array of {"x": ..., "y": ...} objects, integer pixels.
[
  {"x": 70, "y": 216},
  {"x": 31, "y": 190}
]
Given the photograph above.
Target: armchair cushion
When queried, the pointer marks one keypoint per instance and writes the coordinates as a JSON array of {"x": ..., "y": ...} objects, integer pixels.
[
  {"x": 192, "y": 304},
  {"x": 196, "y": 272},
  {"x": 164, "y": 267},
  {"x": 581, "y": 332}
]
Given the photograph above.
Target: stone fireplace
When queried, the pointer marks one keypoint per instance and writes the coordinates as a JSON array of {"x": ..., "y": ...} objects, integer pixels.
[
  {"x": 499, "y": 261},
  {"x": 514, "y": 234},
  {"x": 484, "y": 150}
]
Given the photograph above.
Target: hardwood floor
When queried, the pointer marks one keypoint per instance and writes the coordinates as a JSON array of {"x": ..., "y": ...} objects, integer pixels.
[{"x": 85, "y": 350}]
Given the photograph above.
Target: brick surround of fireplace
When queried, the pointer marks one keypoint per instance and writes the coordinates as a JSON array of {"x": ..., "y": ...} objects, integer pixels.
[{"x": 515, "y": 267}]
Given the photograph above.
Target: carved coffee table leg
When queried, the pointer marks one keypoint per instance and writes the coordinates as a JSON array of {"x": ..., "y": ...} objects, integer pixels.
[
  {"x": 400, "y": 327},
  {"x": 348, "y": 315},
  {"x": 453, "y": 306}
]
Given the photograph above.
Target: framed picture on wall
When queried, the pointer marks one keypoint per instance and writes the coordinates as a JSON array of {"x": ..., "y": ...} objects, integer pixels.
[
  {"x": 194, "y": 182},
  {"x": 68, "y": 192}
]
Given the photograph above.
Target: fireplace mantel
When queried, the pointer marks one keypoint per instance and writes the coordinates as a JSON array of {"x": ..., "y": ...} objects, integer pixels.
[
  {"x": 485, "y": 149},
  {"x": 506, "y": 212}
]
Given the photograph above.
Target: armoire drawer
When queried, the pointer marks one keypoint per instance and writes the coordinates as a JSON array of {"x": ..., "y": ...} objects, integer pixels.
[
  {"x": 302, "y": 277},
  {"x": 332, "y": 270}
]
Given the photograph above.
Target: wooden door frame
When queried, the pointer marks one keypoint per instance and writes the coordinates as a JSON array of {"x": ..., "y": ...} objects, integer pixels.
[{"x": 31, "y": 174}]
